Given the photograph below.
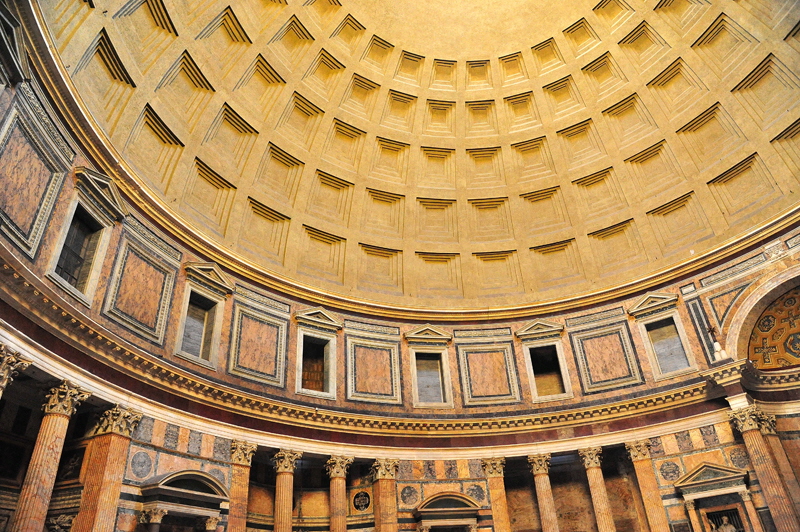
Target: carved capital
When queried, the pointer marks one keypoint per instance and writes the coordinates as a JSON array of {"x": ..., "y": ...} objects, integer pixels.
[
  {"x": 639, "y": 450},
  {"x": 64, "y": 399},
  {"x": 766, "y": 424},
  {"x": 540, "y": 463},
  {"x": 591, "y": 456},
  {"x": 746, "y": 418},
  {"x": 117, "y": 420},
  {"x": 337, "y": 466},
  {"x": 285, "y": 460},
  {"x": 10, "y": 366},
  {"x": 424, "y": 528},
  {"x": 493, "y": 467},
  {"x": 242, "y": 452},
  {"x": 385, "y": 468},
  {"x": 209, "y": 523},
  {"x": 689, "y": 505},
  {"x": 745, "y": 495},
  {"x": 152, "y": 516},
  {"x": 60, "y": 523}
]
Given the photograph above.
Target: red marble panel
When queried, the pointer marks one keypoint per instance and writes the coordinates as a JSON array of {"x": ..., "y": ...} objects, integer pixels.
[
  {"x": 24, "y": 176},
  {"x": 488, "y": 374},
  {"x": 140, "y": 288},
  {"x": 373, "y": 370},
  {"x": 605, "y": 358},
  {"x": 258, "y": 343}
]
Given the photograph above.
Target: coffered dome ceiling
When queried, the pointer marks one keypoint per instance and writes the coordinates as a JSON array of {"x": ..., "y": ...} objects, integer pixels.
[{"x": 447, "y": 155}]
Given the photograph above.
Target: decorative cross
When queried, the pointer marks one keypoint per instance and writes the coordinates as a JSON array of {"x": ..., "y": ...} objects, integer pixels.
[
  {"x": 765, "y": 350},
  {"x": 791, "y": 319}
]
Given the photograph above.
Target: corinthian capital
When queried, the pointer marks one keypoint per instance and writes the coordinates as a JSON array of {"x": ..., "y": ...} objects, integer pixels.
[
  {"x": 540, "y": 463},
  {"x": 152, "y": 516},
  {"x": 242, "y": 452},
  {"x": 117, "y": 420},
  {"x": 493, "y": 467},
  {"x": 639, "y": 450},
  {"x": 64, "y": 399},
  {"x": 746, "y": 418},
  {"x": 337, "y": 466},
  {"x": 385, "y": 468},
  {"x": 10, "y": 366},
  {"x": 591, "y": 456},
  {"x": 766, "y": 423},
  {"x": 285, "y": 460}
]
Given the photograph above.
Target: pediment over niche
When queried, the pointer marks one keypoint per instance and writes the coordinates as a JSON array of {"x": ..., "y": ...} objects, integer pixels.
[
  {"x": 653, "y": 302},
  {"x": 209, "y": 275},
  {"x": 428, "y": 334},
  {"x": 539, "y": 329},
  {"x": 101, "y": 191},
  {"x": 708, "y": 477},
  {"x": 318, "y": 317}
]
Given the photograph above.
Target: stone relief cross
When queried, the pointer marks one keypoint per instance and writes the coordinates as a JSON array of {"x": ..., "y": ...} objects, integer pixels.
[
  {"x": 791, "y": 319},
  {"x": 766, "y": 350}
]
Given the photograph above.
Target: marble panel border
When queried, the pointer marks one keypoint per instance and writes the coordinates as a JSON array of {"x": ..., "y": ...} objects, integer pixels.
[
  {"x": 351, "y": 342},
  {"x": 588, "y": 383},
  {"x": 264, "y": 317},
  {"x": 466, "y": 371}
]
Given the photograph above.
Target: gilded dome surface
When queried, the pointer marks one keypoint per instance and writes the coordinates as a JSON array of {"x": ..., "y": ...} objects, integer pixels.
[{"x": 446, "y": 155}]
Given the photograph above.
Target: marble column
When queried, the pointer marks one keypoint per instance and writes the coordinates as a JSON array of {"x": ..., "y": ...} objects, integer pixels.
[
  {"x": 746, "y": 421},
  {"x": 152, "y": 518},
  {"x": 105, "y": 462},
  {"x": 750, "y": 508},
  {"x": 10, "y": 366},
  {"x": 639, "y": 452},
  {"x": 384, "y": 491},
  {"x": 34, "y": 497},
  {"x": 597, "y": 487},
  {"x": 540, "y": 467},
  {"x": 285, "y": 462},
  {"x": 241, "y": 457},
  {"x": 493, "y": 467},
  {"x": 694, "y": 518},
  {"x": 766, "y": 424},
  {"x": 336, "y": 467}
]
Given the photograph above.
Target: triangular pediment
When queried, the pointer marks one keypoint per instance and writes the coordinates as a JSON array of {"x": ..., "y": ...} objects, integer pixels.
[
  {"x": 653, "y": 302},
  {"x": 428, "y": 334},
  {"x": 707, "y": 476},
  {"x": 539, "y": 329},
  {"x": 318, "y": 317},
  {"x": 101, "y": 191},
  {"x": 210, "y": 275}
]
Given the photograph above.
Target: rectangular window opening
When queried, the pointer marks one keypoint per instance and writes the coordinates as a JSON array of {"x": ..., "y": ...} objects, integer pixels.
[
  {"x": 547, "y": 374},
  {"x": 198, "y": 327},
  {"x": 667, "y": 345},
  {"x": 75, "y": 261},
  {"x": 315, "y": 367},
  {"x": 430, "y": 381}
]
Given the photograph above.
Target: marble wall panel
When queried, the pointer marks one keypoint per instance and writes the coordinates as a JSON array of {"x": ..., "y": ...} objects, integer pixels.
[
  {"x": 373, "y": 369},
  {"x": 488, "y": 373},
  {"x": 606, "y": 357},
  {"x": 258, "y": 344}
]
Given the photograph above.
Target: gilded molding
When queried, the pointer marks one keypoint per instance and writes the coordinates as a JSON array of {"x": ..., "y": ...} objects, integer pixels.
[
  {"x": 285, "y": 460},
  {"x": 591, "y": 456},
  {"x": 11, "y": 363},
  {"x": 64, "y": 399},
  {"x": 493, "y": 467},
  {"x": 747, "y": 418},
  {"x": 385, "y": 468},
  {"x": 117, "y": 420},
  {"x": 242, "y": 452},
  {"x": 540, "y": 464},
  {"x": 152, "y": 516},
  {"x": 336, "y": 466},
  {"x": 639, "y": 450}
]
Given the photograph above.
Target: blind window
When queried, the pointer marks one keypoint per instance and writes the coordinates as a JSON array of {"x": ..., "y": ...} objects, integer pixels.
[
  {"x": 667, "y": 345},
  {"x": 429, "y": 378},
  {"x": 197, "y": 328}
]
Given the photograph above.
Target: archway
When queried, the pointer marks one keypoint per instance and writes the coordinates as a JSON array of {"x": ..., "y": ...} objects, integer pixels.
[
  {"x": 447, "y": 512},
  {"x": 183, "y": 501}
]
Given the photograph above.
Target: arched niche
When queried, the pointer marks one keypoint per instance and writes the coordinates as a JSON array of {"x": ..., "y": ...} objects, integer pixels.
[
  {"x": 447, "y": 512},
  {"x": 184, "y": 494}
]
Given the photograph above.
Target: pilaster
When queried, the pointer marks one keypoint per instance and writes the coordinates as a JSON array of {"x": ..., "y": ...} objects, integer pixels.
[
  {"x": 639, "y": 452},
  {"x": 242, "y": 457},
  {"x": 384, "y": 491},
  {"x": 494, "y": 469}
]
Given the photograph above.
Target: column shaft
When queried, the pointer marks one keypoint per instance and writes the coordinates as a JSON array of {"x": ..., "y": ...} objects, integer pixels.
[
  {"x": 385, "y": 493},
  {"x": 785, "y": 469},
  {"x": 602, "y": 508},
  {"x": 240, "y": 490},
  {"x": 755, "y": 521},
  {"x": 338, "y": 504},
  {"x": 34, "y": 498},
  {"x": 648, "y": 486},
  {"x": 547, "y": 506},
  {"x": 284, "y": 485},
  {"x": 694, "y": 518},
  {"x": 497, "y": 494}
]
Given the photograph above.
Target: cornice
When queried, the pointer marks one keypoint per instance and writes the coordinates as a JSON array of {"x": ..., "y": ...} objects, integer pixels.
[{"x": 87, "y": 132}]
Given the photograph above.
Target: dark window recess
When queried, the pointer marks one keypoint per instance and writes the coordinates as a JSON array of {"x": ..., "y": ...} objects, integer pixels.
[
  {"x": 13, "y": 460},
  {"x": 315, "y": 372},
  {"x": 21, "y": 420},
  {"x": 198, "y": 327},
  {"x": 667, "y": 345},
  {"x": 429, "y": 378},
  {"x": 75, "y": 261},
  {"x": 546, "y": 371}
]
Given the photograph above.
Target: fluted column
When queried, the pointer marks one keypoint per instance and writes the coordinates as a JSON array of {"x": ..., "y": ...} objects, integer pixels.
[
  {"x": 766, "y": 424},
  {"x": 750, "y": 508},
  {"x": 384, "y": 491},
  {"x": 493, "y": 467},
  {"x": 152, "y": 518},
  {"x": 285, "y": 463},
  {"x": 105, "y": 468},
  {"x": 242, "y": 457},
  {"x": 597, "y": 487},
  {"x": 34, "y": 498},
  {"x": 10, "y": 366},
  {"x": 540, "y": 467},
  {"x": 337, "y": 471},
  {"x": 639, "y": 452},
  {"x": 746, "y": 421}
]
